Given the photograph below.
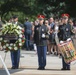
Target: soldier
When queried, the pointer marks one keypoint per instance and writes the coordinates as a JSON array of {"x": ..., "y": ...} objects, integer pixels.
[
  {"x": 40, "y": 33},
  {"x": 15, "y": 55},
  {"x": 64, "y": 34}
]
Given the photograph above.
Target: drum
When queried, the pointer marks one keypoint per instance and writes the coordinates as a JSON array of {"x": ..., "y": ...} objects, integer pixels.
[{"x": 68, "y": 51}]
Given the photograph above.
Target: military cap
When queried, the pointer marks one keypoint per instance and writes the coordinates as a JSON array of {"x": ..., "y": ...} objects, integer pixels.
[
  {"x": 65, "y": 15},
  {"x": 40, "y": 17}
]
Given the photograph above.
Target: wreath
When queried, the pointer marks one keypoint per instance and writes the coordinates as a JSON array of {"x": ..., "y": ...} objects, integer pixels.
[{"x": 12, "y": 32}]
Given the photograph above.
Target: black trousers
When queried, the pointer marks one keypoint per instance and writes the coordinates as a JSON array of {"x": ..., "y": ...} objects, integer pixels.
[{"x": 64, "y": 64}]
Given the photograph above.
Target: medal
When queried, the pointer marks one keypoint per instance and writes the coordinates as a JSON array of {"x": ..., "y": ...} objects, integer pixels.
[
  {"x": 67, "y": 29},
  {"x": 37, "y": 29},
  {"x": 42, "y": 29}
]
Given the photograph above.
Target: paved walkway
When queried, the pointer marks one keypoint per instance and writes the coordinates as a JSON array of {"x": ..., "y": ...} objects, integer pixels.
[{"x": 29, "y": 65}]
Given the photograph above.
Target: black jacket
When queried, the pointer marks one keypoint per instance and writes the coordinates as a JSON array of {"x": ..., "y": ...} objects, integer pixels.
[
  {"x": 65, "y": 32},
  {"x": 38, "y": 31}
]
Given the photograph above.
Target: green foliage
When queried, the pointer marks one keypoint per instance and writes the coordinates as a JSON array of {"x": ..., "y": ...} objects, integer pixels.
[{"x": 31, "y": 8}]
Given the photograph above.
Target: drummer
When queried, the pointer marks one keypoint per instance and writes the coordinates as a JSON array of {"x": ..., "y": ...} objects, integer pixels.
[{"x": 64, "y": 34}]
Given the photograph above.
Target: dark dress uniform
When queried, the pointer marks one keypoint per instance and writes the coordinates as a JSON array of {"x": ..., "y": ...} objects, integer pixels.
[
  {"x": 40, "y": 33},
  {"x": 15, "y": 55},
  {"x": 64, "y": 34}
]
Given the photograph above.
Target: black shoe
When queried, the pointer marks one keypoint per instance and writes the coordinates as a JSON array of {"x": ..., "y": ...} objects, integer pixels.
[
  {"x": 16, "y": 67},
  {"x": 41, "y": 68},
  {"x": 63, "y": 69},
  {"x": 13, "y": 67},
  {"x": 67, "y": 69}
]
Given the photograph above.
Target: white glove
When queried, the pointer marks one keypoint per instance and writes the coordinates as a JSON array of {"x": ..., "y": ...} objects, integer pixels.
[
  {"x": 43, "y": 35},
  {"x": 61, "y": 41},
  {"x": 35, "y": 47},
  {"x": 68, "y": 39}
]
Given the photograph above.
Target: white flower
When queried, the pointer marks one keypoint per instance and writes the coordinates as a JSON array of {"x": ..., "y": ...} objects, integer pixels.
[
  {"x": 20, "y": 40},
  {"x": 20, "y": 44},
  {"x": 10, "y": 47},
  {"x": 4, "y": 25},
  {"x": 1, "y": 38},
  {"x": 15, "y": 48},
  {"x": 14, "y": 44},
  {"x": 4, "y": 46},
  {"x": 17, "y": 31},
  {"x": 11, "y": 44},
  {"x": 5, "y": 41},
  {"x": 19, "y": 27},
  {"x": 20, "y": 35},
  {"x": 0, "y": 33},
  {"x": 20, "y": 31},
  {"x": 14, "y": 25},
  {"x": 9, "y": 23},
  {"x": 7, "y": 44}
]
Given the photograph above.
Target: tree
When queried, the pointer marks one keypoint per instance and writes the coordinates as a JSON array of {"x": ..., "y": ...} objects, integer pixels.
[
  {"x": 71, "y": 4},
  {"x": 32, "y": 8},
  {"x": 51, "y": 7},
  {"x": 13, "y": 5}
]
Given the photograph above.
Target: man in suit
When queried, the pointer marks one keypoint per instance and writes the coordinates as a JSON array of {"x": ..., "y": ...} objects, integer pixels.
[{"x": 40, "y": 39}]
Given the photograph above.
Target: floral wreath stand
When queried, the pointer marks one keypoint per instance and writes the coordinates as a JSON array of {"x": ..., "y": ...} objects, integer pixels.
[
  {"x": 8, "y": 38},
  {"x": 4, "y": 65},
  {"x": 12, "y": 38}
]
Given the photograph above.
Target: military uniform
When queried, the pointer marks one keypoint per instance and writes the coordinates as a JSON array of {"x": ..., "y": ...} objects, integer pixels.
[
  {"x": 64, "y": 34},
  {"x": 15, "y": 55},
  {"x": 40, "y": 38},
  {"x": 15, "y": 58}
]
